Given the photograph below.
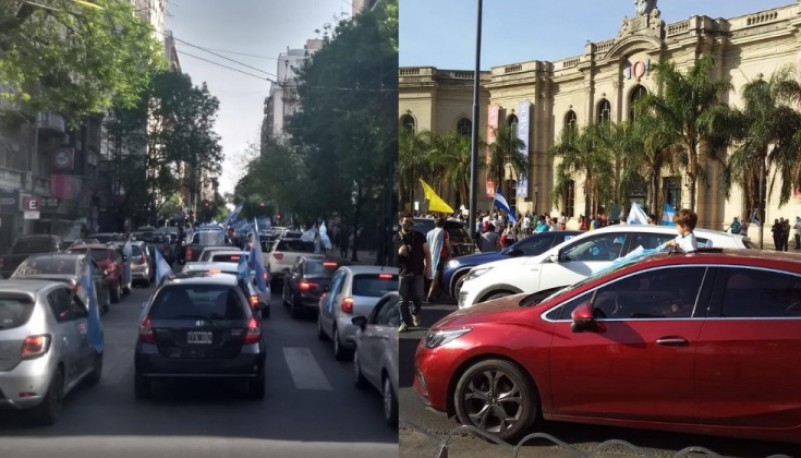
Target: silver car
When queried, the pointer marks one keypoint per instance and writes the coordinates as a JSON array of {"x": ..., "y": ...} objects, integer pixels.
[
  {"x": 354, "y": 291},
  {"x": 43, "y": 349},
  {"x": 375, "y": 361}
]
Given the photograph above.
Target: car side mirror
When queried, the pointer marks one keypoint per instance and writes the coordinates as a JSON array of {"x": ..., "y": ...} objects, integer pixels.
[
  {"x": 516, "y": 252},
  {"x": 583, "y": 318},
  {"x": 554, "y": 258},
  {"x": 360, "y": 321}
]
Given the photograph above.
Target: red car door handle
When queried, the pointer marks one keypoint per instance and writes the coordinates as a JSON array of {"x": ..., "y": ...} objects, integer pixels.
[{"x": 672, "y": 341}]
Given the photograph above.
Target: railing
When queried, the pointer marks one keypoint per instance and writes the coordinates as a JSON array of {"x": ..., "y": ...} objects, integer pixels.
[
  {"x": 513, "y": 68},
  {"x": 678, "y": 28},
  {"x": 762, "y": 18},
  {"x": 409, "y": 71},
  {"x": 604, "y": 46},
  {"x": 570, "y": 63}
]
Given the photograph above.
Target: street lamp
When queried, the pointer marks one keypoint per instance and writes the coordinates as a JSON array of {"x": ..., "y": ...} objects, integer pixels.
[{"x": 474, "y": 146}]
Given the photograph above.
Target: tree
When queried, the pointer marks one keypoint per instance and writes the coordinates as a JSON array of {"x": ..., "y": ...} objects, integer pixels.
[
  {"x": 579, "y": 153},
  {"x": 75, "y": 59},
  {"x": 767, "y": 130},
  {"x": 622, "y": 144},
  {"x": 451, "y": 154},
  {"x": 415, "y": 160},
  {"x": 690, "y": 109},
  {"x": 659, "y": 150},
  {"x": 505, "y": 152}
]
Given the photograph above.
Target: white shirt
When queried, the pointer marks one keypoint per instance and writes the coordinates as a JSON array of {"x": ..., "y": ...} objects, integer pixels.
[
  {"x": 687, "y": 243},
  {"x": 526, "y": 223}
]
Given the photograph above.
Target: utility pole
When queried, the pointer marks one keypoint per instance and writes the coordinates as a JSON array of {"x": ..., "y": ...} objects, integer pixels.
[{"x": 471, "y": 219}]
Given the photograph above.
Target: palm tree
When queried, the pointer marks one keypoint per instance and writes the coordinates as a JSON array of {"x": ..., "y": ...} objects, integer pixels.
[
  {"x": 659, "y": 150},
  {"x": 690, "y": 109},
  {"x": 580, "y": 153},
  {"x": 505, "y": 152},
  {"x": 451, "y": 156},
  {"x": 767, "y": 129},
  {"x": 622, "y": 145},
  {"x": 414, "y": 159}
]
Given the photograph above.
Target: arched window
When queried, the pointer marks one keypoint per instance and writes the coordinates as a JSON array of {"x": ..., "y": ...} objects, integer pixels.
[
  {"x": 604, "y": 111},
  {"x": 407, "y": 122},
  {"x": 570, "y": 120},
  {"x": 464, "y": 127},
  {"x": 512, "y": 121},
  {"x": 636, "y": 94}
]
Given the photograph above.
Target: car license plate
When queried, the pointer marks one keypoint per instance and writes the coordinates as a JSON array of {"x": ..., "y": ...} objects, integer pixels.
[{"x": 198, "y": 337}]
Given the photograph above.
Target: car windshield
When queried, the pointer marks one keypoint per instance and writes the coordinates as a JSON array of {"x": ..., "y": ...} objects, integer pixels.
[
  {"x": 47, "y": 266},
  {"x": 15, "y": 310},
  {"x": 210, "y": 302},
  {"x": 374, "y": 285},
  {"x": 33, "y": 245}
]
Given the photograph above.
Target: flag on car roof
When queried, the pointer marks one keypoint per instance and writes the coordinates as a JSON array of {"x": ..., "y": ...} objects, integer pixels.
[
  {"x": 636, "y": 215},
  {"x": 257, "y": 260},
  {"x": 242, "y": 269},
  {"x": 501, "y": 203},
  {"x": 94, "y": 332},
  {"x": 163, "y": 268}
]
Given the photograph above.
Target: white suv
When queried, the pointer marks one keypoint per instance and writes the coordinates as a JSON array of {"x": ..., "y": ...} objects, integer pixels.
[{"x": 574, "y": 260}]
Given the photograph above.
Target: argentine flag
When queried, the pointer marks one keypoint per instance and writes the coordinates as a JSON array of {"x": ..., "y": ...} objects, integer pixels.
[
  {"x": 501, "y": 204},
  {"x": 257, "y": 260},
  {"x": 234, "y": 215},
  {"x": 94, "y": 331},
  {"x": 163, "y": 269},
  {"x": 667, "y": 215},
  {"x": 636, "y": 215}
]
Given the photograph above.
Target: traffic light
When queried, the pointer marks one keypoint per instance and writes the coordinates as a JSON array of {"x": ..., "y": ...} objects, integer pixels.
[
  {"x": 206, "y": 204},
  {"x": 261, "y": 205}
]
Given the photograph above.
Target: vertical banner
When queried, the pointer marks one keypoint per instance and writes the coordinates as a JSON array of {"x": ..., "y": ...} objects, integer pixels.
[
  {"x": 493, "y": 113},
  {"x": 523, "y": 134}
]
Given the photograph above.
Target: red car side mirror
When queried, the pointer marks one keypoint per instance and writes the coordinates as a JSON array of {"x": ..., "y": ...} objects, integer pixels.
[{"x": 583, "y": 318}]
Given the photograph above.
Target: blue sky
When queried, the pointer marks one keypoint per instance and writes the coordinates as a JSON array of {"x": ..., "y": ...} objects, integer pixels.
[
  {"x": 259, "y": 27},
  {"x": 442, "y": 33}
]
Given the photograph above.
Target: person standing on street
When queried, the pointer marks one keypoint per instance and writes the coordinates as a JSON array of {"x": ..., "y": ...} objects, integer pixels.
[
  {"x": 797, "y": 230},
  {"x": 776, "y": 229},
  {"x": 490, "y": 240},
  {"x": 414, "y": 261},
  {"x": 786, "y": 229},
  {"x": 440, "y": 248},
  {"x": 735, "y": 227}
]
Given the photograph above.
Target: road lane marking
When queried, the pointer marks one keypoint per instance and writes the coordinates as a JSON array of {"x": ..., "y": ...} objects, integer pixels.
[{"x": 306, "y": 373}]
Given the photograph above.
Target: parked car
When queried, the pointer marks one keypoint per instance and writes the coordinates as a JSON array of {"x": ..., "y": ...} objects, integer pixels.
[
  {"x": 354, "y": 291},
  {"x": 283, "y": 255},
  {"x": 375, "y": 360},
  {"x": 44, "y": 354},
  {"x": 458, "y": 235},
  {"x": 306, "y": 281},
  {"x": 455, "y": 270},
  {"x": 67, "y": 268},
  {"x": 258, "y": 300},
  {"x": 697, "y": 343},
  {"x": 574, "y": 260},
  {"x": 199, "y": 325},
  {"x": 109, "y": 260},
  {"x": 25, "y": 246}
]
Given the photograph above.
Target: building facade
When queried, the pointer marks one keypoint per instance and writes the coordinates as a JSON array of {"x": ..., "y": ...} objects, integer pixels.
[{"x": 601, "y": 83}]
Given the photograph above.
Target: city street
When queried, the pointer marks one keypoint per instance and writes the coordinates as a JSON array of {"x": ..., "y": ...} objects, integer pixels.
[
  {"x": 434, "y": 426},
  {"x": 311, "y": 407}
]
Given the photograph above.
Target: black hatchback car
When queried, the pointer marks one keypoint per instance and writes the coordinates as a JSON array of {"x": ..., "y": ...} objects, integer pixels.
[
  {"x": 306, "y": 281},
  {"x": 198, "y": 325}
]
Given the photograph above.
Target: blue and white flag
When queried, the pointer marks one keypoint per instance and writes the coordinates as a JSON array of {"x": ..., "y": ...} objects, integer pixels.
[
  {"x": 636, "y": 215},
  {"x": 94, "y": 331},
  {"x": 667, "y": 215},
  {"x": 755, "y": 217},
  {"x": 127, "y": 252},
  {"x": 324, "y": 236},
  {"x": 501, "y": 204},
  {"x": 257, "y": 261},
  {"x": 234, "y": 215},
  {"x": 242, "y": 269},
  {"x": 163, "y": 269}
]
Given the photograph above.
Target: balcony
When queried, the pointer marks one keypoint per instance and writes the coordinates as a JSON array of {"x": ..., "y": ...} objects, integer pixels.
[{"x": 52, "y": 123}]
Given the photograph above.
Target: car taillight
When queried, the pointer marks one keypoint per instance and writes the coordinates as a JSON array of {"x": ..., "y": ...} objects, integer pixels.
[
  {"x": 329, "y": 264},
  {"x": 253, "y": 332},
  {"x": 347, "y": 305},
  {"x": 306, "y": 285},
  {"x": 254, "y": 300},
  {"x": 278, "y": 256},
  {"x": 189, "y": 252},
  {"x": 385, "y": 276},
  {"x": 146, "y": 334},
  {"x": 35, "y": 346}
]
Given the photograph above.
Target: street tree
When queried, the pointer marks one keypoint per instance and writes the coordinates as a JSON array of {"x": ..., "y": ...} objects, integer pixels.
[
  {"x": 579, "y": 153},
  {"x": 505, "y": 152},
  {"x": 415, "y": 160},
  {"x": 66, "y": 56},
  {"x": 452, "y": 154}
]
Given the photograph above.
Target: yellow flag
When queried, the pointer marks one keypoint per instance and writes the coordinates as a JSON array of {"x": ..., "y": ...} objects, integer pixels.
[{"x": 435, "y": 203}]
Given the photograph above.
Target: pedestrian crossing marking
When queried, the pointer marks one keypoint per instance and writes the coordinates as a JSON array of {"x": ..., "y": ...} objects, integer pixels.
[{"x": 306, "y": 373}]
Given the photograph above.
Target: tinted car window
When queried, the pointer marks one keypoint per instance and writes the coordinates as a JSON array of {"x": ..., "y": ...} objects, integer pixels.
[
  {"x": 97, "y": 255},
  {"x": 33, "y": 245},
  {"x": 753, "y": 293},
  {"x": 607, "y": 247},
  {"x": 298, "y": 246},
  {"x": 456, "y": 230},
  {"x": 535, "y": 245},
  {"x": 373, "y": 285},
  {"x": 317, "y": 268},
  {"x": 39, "y": 266},
  {"x": 59, "y": 301},
  {"x": 15, "y": 310},
  {"x": 563, "y": 312},
  {"x": 388, "y": 314},
  {"x": 650, "y": 241},
  {"x": 211, "y": 302},
  {"x": 136, "y": 250}
]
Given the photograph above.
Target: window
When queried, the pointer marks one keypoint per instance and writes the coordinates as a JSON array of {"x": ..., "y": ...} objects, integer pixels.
[
  {"x": 650, "y": 241},
  {"x": 672, "y": 187},
  {"x": 198, "y": 302},
  {"x": 563, "y": 312},
  {"x": 388, "y": 313},
  {"x": 657, "y": 293},
  {"x": 535, "y": 245},
  {"x": 464, "y": 127},
  {"x": 607, "y": 247},
  {"x": 407, "y": 122},
  {"x": 60, "y": 304},
  {"x": 569, "y": 199},
  {"x": 752, "y": 293},
  {"x": 16, "y": 310},
  {"x": 604, "y": 111},
  {"x": 513, "y": 122},
  {"x": 78, "y": 308},
  {"x": 570, "y": 120},
  {"x": 373, "y": 285},
  {"x": 636, "y": 94}
]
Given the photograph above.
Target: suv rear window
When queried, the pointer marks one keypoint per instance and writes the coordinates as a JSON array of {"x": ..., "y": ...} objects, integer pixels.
[
  {"x": 297, "y": 246},
  {"x": 15, "y": 310},
  {"x": 210, "y": 302},
  {"x": 374, "y": 285}
]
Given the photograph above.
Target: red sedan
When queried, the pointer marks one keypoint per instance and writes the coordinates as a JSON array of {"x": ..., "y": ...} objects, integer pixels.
[
  {"x": 700, "y": 343},
  {"x": 109, "y": 260}
]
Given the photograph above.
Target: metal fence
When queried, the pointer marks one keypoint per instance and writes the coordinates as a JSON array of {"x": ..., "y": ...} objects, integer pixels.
[{"x": 513, "y": 451}]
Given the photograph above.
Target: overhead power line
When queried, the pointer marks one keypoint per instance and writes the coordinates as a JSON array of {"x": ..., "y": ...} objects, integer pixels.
[
  {"x": 220, "y": 55},
  {"x": 226, "y": 66}
]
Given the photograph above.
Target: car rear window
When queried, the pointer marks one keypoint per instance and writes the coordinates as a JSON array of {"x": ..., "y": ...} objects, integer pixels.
[
  {"x": 375, "y": 285},
  {"x": 15, "y": 310},
  {"x": 298, "y": 246},
  {"x": 33, "y": 245},
  {"x": 44, "y": 266},
  {"x": 216, "y": 257},
  {"x": 97, "y": 255},
  {"x": 456, "y": 231},
  {"x": 136, "y": 250},
  {"x": 210, "y": 302},
  {"x": 320, "y": 268}
]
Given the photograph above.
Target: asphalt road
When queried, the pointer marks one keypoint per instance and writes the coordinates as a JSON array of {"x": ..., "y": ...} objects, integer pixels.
[
  {"x": 311, "y": 407},
  {"x": 429, "y": 427}
]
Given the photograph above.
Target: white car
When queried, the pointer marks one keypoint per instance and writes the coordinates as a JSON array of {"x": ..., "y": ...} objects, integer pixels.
[{"x": 574, "y": 260}]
